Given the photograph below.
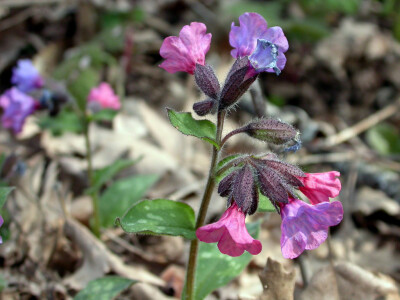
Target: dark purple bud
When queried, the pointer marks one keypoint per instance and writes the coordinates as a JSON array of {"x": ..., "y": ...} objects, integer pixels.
[
  {"x": 236, "y": 83},
  {"x": 273, "y": 185},
  {"x": 272, "y": 131},
  {"x": 207, "y": 81},
  {"x": 245, "y": 192},
  {"x": 289, "y": 172},
  {"x": 225, "y": 186},
  {"x": 205, "y": 107}
]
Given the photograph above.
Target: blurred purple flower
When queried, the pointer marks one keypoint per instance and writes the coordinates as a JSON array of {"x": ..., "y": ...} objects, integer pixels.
[
  {"x": 16, "y": 107},
  {"x": 1, "y": 223},
  {"x": 230, "y": 233},
  {"x": 319, "y": 187},
  {"x": 305, "y": 226},
  {"x": 184, "y": 52},
  {"x": 264, "y": 46},
  {"x": 104, "y": 96},
  {"x": 26, "y": 77}
]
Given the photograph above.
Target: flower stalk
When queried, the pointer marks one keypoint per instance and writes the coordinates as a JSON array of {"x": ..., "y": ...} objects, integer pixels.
[
  {"x": 194, "y": 245},
  {"x": 93, "y": 195}
]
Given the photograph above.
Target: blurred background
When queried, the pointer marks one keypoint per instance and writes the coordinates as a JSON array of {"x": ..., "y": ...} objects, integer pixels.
[{"x": 340, "y": 87}]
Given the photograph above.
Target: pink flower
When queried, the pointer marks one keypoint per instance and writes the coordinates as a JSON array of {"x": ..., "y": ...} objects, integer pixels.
[
  {"x": 264, "y": 46},
  {"x": 305, "y": 226},
  {"x": 105, "y": 96},
  {"x": 184, "y": 52},
  {"x": 230, "y": 233},
  {"x": 17, "y": 106},
  {"x": 319, "y": 187}
]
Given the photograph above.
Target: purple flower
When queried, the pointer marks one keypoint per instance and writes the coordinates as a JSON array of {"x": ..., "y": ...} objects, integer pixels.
[
  {"x": 104, "y": 96},
  {"x": 319, "y": 187},
  {"x": 184, "y": 52},
  {"x": 1, "y": 223},
  {"x": 305, "y": 226},
  {"x": 230, "y": 233},
  {"x": 16, "y": 107},
  {"x": 264, "y": 46},
  {"x": 26, "y": 77}
]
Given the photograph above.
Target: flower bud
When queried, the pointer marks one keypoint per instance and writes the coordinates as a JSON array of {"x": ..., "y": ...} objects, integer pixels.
[
  {"x": 272, "y": 131},
  {"x": 236, "y": 83},
  {"x": 207, "y": 81},
  {"x": 205, "y": 107}
]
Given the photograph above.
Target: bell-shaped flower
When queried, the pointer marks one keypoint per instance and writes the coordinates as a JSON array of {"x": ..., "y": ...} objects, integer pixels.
[
  {"x": 319, "y": 187},
  {"x": 104, "y": 96},
  {"x": 17, "y": 106},
  {"x": 26, "y": 77},
  {"x": 305, "y": 226},
  {"x": 184, "y": 52},
  {"x": 264, "y": 46},
  {"x": 230, "y": 233},
  {"x": 1, "y": 223}
]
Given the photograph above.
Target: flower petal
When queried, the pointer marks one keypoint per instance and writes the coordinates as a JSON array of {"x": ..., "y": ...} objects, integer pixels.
[
  {"x": 305, "y": 226},
  {"x": 183, "y": 52},
  {"x": 319, "y": 187},
  {"x": 244, "y": 37},
  {"x": 105, "y": 96},
  {"x": 231, "y": 234},
  {"x": 26, "y": 77}
]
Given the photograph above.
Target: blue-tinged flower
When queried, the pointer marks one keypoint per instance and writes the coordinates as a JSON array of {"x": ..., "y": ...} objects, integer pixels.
[
  {"x": 17, "y": 106},
  {"x": 26, "y": 77},
  {"x": 264, "y": 46},
  {"x": 1, "y": 223},
  {"x": 305, "y": 226}
]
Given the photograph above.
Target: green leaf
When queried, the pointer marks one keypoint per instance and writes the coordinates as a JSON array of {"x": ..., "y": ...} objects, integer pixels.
[
  {"x": 160, "y": 217},
  {"x": 384, "y": 138},
  {"x": 65, "y": 121},
  {"x": 81, "y": 86},
  {"x": 105, "y": 288},
  {"x": 185, "y": 123},
  {"x": 222, "y": 163},
  {"x": 121, "y": 195},
  {"x": 4, "y": 192},
  {"x": 215, "y": 269},
  {"x": 264, "y": 205},
  {"x": 104, "y": 115},
  {"x": 105, "y": 174}
]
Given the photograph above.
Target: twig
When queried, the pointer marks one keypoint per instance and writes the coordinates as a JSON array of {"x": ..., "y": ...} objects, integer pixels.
[{"x": 363, "y": 125}]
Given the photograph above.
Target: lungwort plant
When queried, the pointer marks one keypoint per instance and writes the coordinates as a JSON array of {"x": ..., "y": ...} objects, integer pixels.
[{"x": 249, "y": 182}]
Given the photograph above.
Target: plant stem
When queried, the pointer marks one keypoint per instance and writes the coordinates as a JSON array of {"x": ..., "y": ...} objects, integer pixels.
[
  {"x": 194, "y": 245},
  {"x": 95, "y": 202}
]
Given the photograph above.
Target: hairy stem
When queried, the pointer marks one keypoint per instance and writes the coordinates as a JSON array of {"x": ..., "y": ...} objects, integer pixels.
[
  {"x": 95, "y": 201},
  {"x": 194, "y": 245}
]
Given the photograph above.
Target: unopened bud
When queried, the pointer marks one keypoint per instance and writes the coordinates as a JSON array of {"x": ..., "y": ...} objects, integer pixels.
[
  {"x": 207, "y": 81},
  {"x": 205, "y": 107},
  {"x": 272, "y": 131},
  {"x": 236, "y": 83}
]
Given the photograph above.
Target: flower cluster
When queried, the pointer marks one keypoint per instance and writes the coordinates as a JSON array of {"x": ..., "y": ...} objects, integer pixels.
[
  {"x": 16, "y": 103},
  {"x": 257, "y": 48}
]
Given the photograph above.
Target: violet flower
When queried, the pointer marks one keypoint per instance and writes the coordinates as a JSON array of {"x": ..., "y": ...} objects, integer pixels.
[
  {"x": 26, "y": 77},
  {"x": 305, "y": 226},
  {"x": 1, "y": 223},
  {"x": 264, "y": 46},
  {"x": 319, "y": 187},
  {"x": 17, "y": 106},
  {"x": 230, "y": 233},
  {"x": 104, "y": 96},
  {"x": 184, "y": 52}
]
